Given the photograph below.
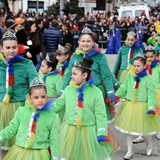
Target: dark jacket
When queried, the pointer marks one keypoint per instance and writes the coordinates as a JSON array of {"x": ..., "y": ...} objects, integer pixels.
[{"x": 51, "y": 38}]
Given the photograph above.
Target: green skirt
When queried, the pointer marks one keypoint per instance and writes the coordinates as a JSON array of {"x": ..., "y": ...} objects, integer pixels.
[
  {"x": 7, "y": 112},
  {"x": 20, "y": 153},
  {"x": 81, "y": 144},
  {"x": 132, "y": 119}
]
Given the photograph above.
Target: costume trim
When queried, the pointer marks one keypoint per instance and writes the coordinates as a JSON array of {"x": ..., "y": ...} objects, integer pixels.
[
  {"x": 64, "y": 66},
  {"x": 9, "y": 75},
  {"x": 33, "y": 122},
  {"x": 136, "y": 84},
  {"x": 55, "y": 72},
  {"x": 79, "y": 105},
  {"x": 149, "y": 67}
]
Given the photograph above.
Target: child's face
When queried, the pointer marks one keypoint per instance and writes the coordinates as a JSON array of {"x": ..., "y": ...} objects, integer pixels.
[
  {"x": 61, "y": 58},
  {"x": 78, "y": 77},
  {"x": 150, "y": 56},
  {"x": 138, "y": 66},
  {"x": 86, "y": 42},
  {"x": 130, "y": 40},
  {"x": 38, "y": 98},
  {"x": 44, "y": 67}
]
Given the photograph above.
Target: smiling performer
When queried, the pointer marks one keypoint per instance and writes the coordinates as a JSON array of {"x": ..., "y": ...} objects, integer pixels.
[
  {"x": 104, "y": 79},
  {"x": 125, "y": 57},
  {"x": 16, "y": 73}
]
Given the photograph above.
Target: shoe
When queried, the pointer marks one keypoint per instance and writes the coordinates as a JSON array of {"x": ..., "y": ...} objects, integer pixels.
[
  {"x": 149, "y": 150},
  {"x": 128, "y": 155},
  {"x": 138, "y": 140},
  {"x": 158, "y": 135}
]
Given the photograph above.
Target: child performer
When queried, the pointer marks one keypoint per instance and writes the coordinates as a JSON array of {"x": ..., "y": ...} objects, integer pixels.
[
  {"x": 36, "y": 128},
  {"x": 125, "y": 57},
  {"x": 63, "y": 54},
  {"x": 140, "y": 96},
  {"x": 84, "y": 133},
  {"x": 51, "y": 78}
]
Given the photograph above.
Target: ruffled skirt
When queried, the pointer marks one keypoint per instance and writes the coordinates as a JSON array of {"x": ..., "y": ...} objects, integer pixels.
[
  {"x": 81, "y": 144},
  {"x": 132, "y": 119},
  {"x": 20, "y": 153},
  {"x": 7, "y": 112},
  {"x": 158, "y": 101}
]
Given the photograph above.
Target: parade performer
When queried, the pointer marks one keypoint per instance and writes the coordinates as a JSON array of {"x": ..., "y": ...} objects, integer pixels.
[
  {"x": 84, "y": 134},
  {"x": 104, "y": 79},
  {"x": 36, "y": 128},
  {"x": 137, "y": 115},
  {"x": 126, "y": 54}
]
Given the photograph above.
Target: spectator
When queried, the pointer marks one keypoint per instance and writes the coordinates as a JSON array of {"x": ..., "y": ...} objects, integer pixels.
[{"x": 52, "y": 37}]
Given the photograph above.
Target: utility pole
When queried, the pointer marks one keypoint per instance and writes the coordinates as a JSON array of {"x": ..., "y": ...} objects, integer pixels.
[{"x": 37, "y": 6}]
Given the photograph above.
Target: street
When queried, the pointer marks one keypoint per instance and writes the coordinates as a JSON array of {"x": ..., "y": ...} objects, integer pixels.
[{"x": 138, "y": 149}]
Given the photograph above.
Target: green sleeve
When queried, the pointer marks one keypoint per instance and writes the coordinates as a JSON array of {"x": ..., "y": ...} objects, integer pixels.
[
  {"x": 151, "y": 94},
  {"x": 54, "y": 138},
  {"x": 117, "y": 63},
  {"x": 121, "y": 92},
  {"x": 12, "y": 129},
  {"x": 31, "y": 70},
  {"x": 59, "y": 84},
  {"x": 59, "y": 104},
  {"x": 100, "y": 114},
  {"x": 106, "y": 76}
]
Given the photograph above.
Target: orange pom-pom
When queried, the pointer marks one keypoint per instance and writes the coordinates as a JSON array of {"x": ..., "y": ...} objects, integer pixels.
[{"x": 18, "y": 21}]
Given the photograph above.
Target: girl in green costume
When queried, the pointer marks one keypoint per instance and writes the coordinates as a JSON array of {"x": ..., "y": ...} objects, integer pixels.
[
  {"x": 36, "y": 128},
  {"x": 137, "y": 115},
  {"x": 125, "y": 56},
  {"x": 84, "y": 134}
]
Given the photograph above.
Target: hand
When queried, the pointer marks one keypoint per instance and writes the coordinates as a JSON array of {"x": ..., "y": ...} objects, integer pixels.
[
  {"x": 151, "y": 112},
  {"x": 41, "y": 54},
  {"x": 102, "y": 139},
  {"x": 26, "y": 47},
  {"x": 29, "y": 55}
]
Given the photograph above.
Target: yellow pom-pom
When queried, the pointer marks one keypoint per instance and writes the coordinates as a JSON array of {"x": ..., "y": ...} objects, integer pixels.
[{"x": 6, "y": 98}]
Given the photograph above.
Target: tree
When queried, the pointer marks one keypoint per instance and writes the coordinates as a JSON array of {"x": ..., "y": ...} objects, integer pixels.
[{"x": 75, "y": 9}]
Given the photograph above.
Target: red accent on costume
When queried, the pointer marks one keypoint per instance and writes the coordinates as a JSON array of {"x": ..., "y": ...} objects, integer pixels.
[
  {"x": 80, "y": 104},
  {"x": 11, "y": 80},
  {"x": 33, "y": 129},
  {"x": 137, "y": 84}
]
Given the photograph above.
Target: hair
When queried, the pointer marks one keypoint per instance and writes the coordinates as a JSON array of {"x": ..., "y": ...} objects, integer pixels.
[
  {"x": 90, "y": 34},
  {"x": 141, "y": 58},
  {"x": 85, "y": 66},
  {"x": 28, "y": 25},
  {"x": 67, "y": 50},
  {"x": 37, "y": 86},
  {"x": 52, "y": 62},
  {"x": 54, "y": 23}
]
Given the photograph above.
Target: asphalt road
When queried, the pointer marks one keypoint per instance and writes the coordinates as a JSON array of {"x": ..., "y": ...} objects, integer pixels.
[{"x": 138, "y": 149}]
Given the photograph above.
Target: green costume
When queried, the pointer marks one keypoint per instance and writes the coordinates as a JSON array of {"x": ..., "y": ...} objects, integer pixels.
[
  {"x": 140, "y": 96},
  {"x": 24, "y": 72},
  {"x": 46, "y": 134},
  {"x": 100, "y": 72},
  {"x": 124, "y": 59}
]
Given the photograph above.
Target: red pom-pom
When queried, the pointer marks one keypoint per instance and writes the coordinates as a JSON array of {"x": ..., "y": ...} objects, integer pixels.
[
  {"x": 116, "y": 98},
  {"x": 153, "y": 112},
  {"x": 33, "y": 129},
  {"x": 107, "y": 100},
  {"x": 107, "y": 139},
  {"x": 131, "y": 54},
  {"x": 21, "y": 49}
]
